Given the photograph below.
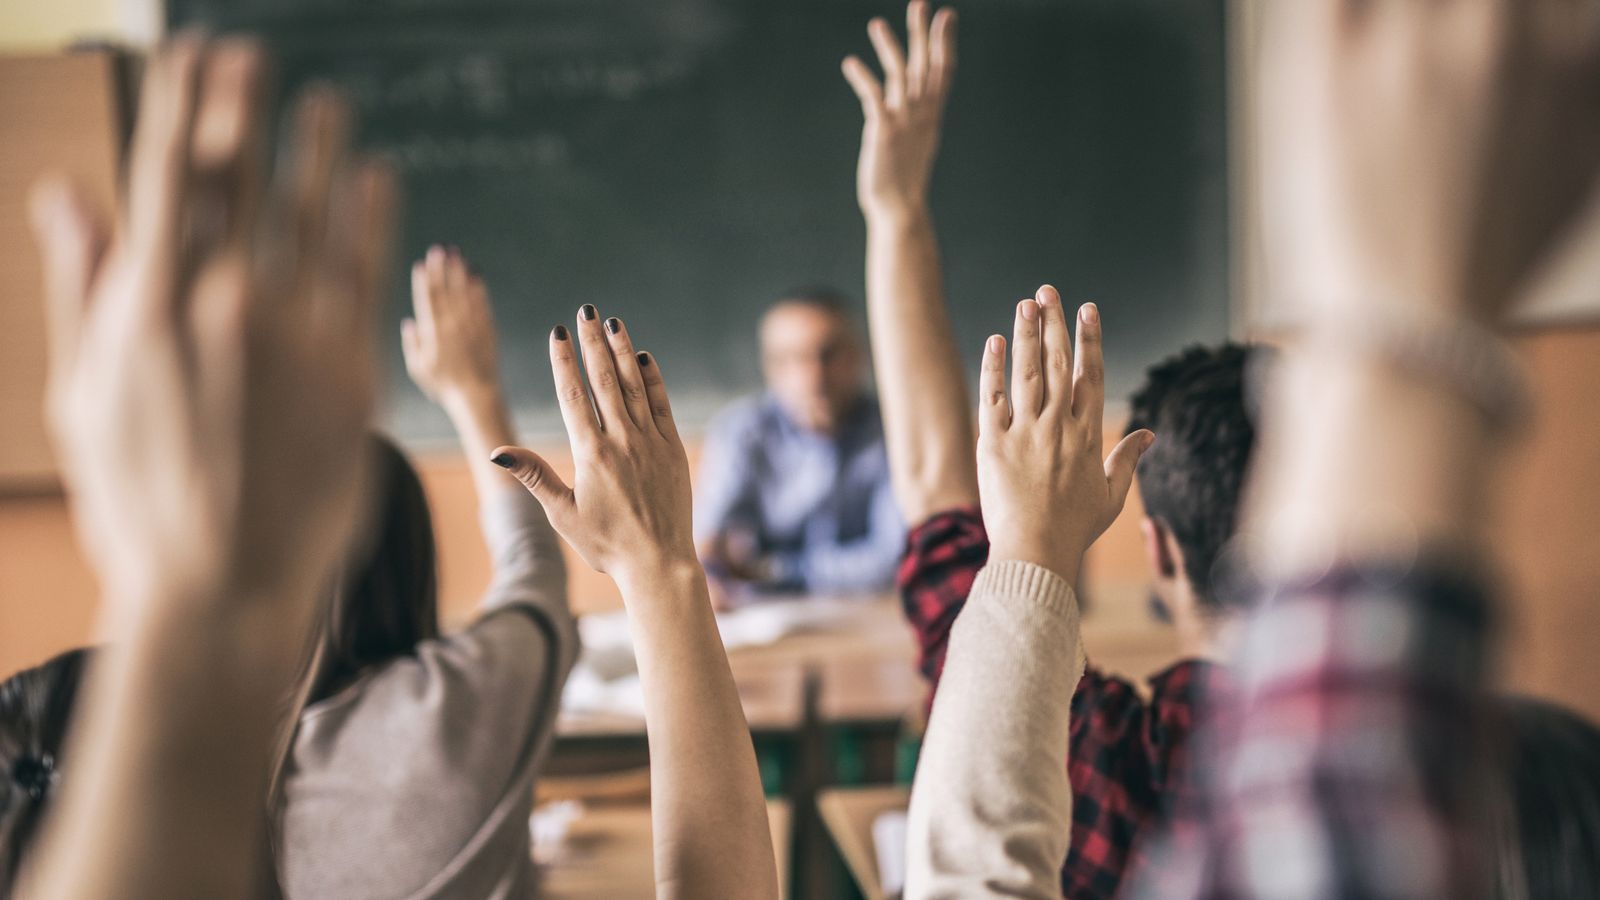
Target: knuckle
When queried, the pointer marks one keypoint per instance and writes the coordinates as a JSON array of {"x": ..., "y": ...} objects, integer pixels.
[
  {"x": 572, "y": 393},
  {"x": 1059, "y": 360},
  {"x": 1030, "y": 372},
  {"x": 605, "y": 379}
]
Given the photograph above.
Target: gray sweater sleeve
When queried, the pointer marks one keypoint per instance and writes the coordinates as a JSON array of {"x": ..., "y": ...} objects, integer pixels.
[{"x": 991, "y": 807}]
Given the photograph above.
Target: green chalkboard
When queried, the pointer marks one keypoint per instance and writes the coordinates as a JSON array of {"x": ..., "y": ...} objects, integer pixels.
[{"x": 680, "y": 162}]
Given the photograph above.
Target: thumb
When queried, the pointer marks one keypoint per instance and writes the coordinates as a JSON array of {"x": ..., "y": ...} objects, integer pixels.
[
  {"x": 72, "y": 240},
  {"x": 1123, "y": 460},
  {"x": 537, "y": 476}
]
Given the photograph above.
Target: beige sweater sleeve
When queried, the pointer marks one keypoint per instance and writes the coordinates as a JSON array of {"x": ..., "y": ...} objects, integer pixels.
[{"x": 991, "y": 807}]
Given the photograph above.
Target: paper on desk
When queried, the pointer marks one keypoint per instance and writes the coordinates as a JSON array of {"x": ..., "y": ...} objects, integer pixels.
[
  {"x": 548, "y": 828},
  {"x": 889, "y": 842},
  {"x": 606, "y": 678}
]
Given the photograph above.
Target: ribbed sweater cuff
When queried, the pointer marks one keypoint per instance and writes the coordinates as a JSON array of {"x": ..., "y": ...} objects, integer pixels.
[{"x": 1034, "y": 585}]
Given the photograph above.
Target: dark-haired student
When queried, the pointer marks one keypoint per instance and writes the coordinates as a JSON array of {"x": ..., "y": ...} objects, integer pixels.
[
  {"x": 397, "y": 715},
  {"x": 1129, "y": 760},
  {"x": 793, "y": 493}
]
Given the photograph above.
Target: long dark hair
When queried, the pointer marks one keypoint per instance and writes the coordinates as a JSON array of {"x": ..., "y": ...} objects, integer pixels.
[
  {"x": 389, "y": 599},
  {"x": 1549, "y": 827},
  {"x": 35, "y": 709}
]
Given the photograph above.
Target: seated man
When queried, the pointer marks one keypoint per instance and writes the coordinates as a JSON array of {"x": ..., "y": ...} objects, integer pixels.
[
  {"x": 794, "y": 493},
  {"x": 1127, "y": 757}
]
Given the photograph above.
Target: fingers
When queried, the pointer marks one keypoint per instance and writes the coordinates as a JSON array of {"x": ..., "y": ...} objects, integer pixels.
[
  {"x": 916, "y": 48},
  {"x": 629, "y": 377},
  {"x": 1057, "y": 350},
  {"x": 655, "y": 390},
  {"x": 1089, "y": 371},
  {"x": 321, "y": 136},
  {"x": 1124, "y": 461},
  {"x": 994, "y": 414},
  {"x": 538, "y": 477},
  {"x": 571, "y": 395},
  {"x": 1027, "y": 364},
  {"x": 159, "y": 166},
  {"x": 942, "y": 52},
  {"x": 604, "y": 383},
  {"x": 72, "y": 239},
  {"x": 372, "y": 239},
  {"x": 229, "y": 142},
  {"x": 889, "y": 57},
  {"x": 411, "y": 346},
  {"x": 867, "y": 89}
]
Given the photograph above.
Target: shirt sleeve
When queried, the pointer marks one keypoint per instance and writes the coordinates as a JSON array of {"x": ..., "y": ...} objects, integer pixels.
[
  {"x": 725, "y": 484},
  {"x": 1350, "y": 761},
  {"x": 867, "y": 563},
  {"x": 941, "y": 560},
  {"x": 992, "y": 817}
]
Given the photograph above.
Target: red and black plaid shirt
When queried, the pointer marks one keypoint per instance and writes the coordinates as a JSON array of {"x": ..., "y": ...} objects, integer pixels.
[{"x": 1128, "y": 759}]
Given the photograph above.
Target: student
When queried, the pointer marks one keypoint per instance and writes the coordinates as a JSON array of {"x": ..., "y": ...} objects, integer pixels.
[
  {"x": 400, "y": 718},
  {"x": 1351, "y": 760},
  {"x": 211, "y": 412},
  {"x": 628, "y": 514},
  {"x": 1548, "y": 826},
  {"x": 1129, "y": 757},
  {"x": 35, "y": 706},
  {"x": 793, "y": 493}
]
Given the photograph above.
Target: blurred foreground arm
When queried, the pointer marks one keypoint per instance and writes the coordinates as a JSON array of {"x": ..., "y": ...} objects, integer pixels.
[
  {"x": 927, "y": 418},
  {"x": 627, "y": 514},
  {"x": 213, "y": 369}
]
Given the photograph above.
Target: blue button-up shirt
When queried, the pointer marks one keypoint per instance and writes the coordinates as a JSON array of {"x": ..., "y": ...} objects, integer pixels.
[{"x": 818, "y": 507}]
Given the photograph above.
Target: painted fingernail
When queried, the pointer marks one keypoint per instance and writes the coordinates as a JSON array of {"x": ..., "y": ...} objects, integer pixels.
[
  {"x": 1029, "y": 310},
  {"x": 587, "y": 312},
  {"x": 1090, "y": 313},
  {"x": 560, "y": 332},
  {"x": 613, "y": 325},
  {"x": 503, "y": 460},
  {"x": 643, "y": 358}
]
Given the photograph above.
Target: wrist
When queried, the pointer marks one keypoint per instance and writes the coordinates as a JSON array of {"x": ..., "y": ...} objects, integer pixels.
[
  {"x": 895, "y": 213},
  {"x": 677, "y": 576},
  {"x": 1064, "y": 565}
]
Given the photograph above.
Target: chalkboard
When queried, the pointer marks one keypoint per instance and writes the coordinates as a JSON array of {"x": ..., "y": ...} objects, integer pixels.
[{"x": 681, "y": 162}]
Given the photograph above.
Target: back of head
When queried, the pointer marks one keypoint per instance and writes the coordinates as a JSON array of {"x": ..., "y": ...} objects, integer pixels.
[
  {"x": 35, "y": 709},
  {"x": 388, "y": 600},
  {"x": 1192, "y": 477},
  {"x": 1550, "y": 830}
]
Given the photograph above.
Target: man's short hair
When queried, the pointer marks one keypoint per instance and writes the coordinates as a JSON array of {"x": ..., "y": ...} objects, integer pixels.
[
  {"x": 1191, "y": 479},
  {"x": 821, "y": 296}
]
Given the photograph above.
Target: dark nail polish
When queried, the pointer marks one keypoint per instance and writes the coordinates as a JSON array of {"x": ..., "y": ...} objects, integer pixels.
[
  {"x": 643, "y": 358},
  {"x": 503, "y": 460},
  {"x": 560, "y": 331},
  {"x": 613, "y": 325},
  {"x": 587, "y": 312}
]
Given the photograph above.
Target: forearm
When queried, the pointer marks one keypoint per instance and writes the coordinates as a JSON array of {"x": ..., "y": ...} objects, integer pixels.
[
  {"x": 922, "y": 383},
  {"x": 707, "y": 810},
  {"x": 482, "y": 422},
  {"x": 994, "y": 816},
  {"x": 172, "y": 753}
]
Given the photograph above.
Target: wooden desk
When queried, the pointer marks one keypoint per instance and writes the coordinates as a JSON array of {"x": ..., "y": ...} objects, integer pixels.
[
  {"x": 849, "y": 814},
  {"x": 608, "y": 854},
  {"x": 772, "y": 693}
]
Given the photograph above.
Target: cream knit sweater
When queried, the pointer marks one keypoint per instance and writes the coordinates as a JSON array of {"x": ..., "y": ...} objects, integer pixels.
[{"x": 991, "y": 807}]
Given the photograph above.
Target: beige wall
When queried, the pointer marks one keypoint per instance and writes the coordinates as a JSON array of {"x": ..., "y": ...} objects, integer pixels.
[{"x": 35, "y": 25}]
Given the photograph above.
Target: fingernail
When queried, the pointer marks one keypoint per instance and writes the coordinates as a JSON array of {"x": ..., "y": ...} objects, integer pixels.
[
  {"x": 503, "y": 460},
  {"x": 1090, "y": 313},
  {"x": 1029, "y": 310},
  {"x": 994, "y": 343},
  {"x": 1149, "y": 440},
  {"x": 643, "y": 358},
  {"x": 560, "y": 331},
  {"x": 587, "y": 312},
  {"x": 613, "y": 325}
]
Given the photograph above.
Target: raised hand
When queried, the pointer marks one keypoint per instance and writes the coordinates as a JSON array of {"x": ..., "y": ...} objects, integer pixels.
[
  {"x": 628, "y": 511},
  {"x": 1046, "y": 493},
  {"x": 212, "y": 361},
  {"x": 900, "y": 137},
  {"x": 449, "y": 345},
  {"x": 1426, "y": 154}
]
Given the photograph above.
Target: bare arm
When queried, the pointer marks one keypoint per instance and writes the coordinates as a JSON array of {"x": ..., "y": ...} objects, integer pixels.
[
  {"x": 628, "y": 514},
  {"x": 211, "y": 411},
  {"x": 922, "y": 385}
]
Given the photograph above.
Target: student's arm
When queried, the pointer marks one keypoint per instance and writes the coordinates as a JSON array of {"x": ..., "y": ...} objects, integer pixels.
[
  {"x": 628, "y": 515},
  {"x": 1460, "y": 139},
  {"x": 210, "y": 393},
  {"x": 993, "y": 817},
  {"x": 451, "y": 353},
  {"x": 923, "y": 387}
]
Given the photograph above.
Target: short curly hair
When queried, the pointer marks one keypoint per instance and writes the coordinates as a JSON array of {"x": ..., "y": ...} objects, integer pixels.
[{"x": 1191, "y": 479}]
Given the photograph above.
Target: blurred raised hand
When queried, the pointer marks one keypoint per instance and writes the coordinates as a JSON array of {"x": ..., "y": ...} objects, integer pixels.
[
  {"x": 900, "y": 136},
  {"x": 450, "y": 341}
]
